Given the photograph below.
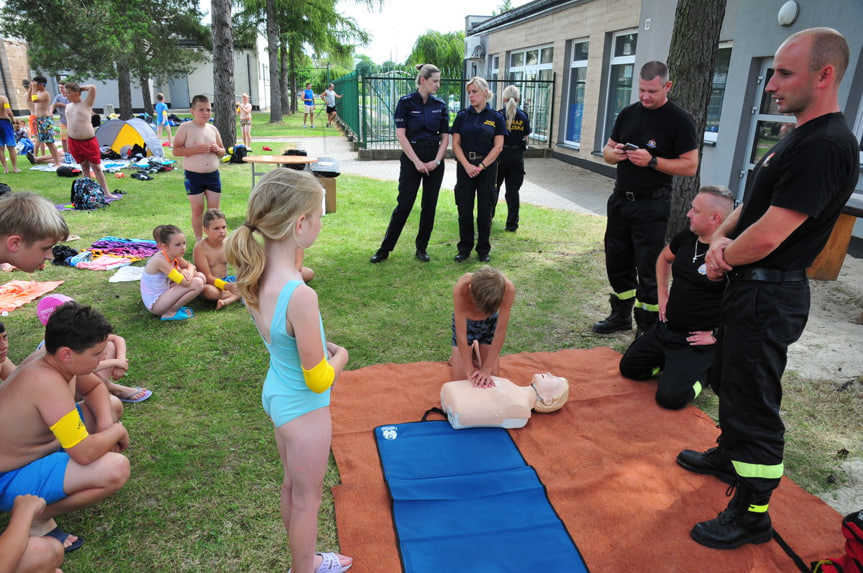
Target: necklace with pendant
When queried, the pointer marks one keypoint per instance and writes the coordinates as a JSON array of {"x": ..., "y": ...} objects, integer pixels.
[{"x": 695, "y": 254}]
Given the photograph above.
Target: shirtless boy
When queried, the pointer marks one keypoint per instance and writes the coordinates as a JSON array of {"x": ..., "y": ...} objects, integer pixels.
[
  {"x": 30, "y": 226},
  {"x": 7, "y": 135},
  {"x": 40, "y": 103},
  {"x": 66, "y": 453},
  {"x": 210, "y": 259},
  {"x": 200, "y": 146},
  {"x": 82, "y": 137},
  {"x": 482, "y": 302}
]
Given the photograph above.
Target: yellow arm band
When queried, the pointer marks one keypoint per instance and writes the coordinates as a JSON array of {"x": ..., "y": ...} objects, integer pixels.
[
  {"x": 70, "y": 430},
  {"x": 321, "y": 377},
  {"x": 219, "y": 283},
  {"x": 34, "y": 98},
  {"x": 175, "y": 276},
  {"x": 7, "y": 106}
]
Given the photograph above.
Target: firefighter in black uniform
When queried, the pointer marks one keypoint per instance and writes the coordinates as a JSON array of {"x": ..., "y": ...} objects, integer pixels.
[
  {"x": 763, "y": 249},
  {"x": 680, "y": 346},
  {"x": 652, "y": 140},
  {"x": 422, "y": 128}
]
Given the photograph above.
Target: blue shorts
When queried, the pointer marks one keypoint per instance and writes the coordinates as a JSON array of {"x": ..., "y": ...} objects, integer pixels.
[
  {"x": 42, "y": 477},
  {"x": 197, "y": 183},
  {"x": 482, "y": 330},
  {"x": 7, "y": 133}
]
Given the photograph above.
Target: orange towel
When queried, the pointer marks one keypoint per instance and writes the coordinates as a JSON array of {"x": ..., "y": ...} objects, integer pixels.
[{"x": 18, "y": 293}]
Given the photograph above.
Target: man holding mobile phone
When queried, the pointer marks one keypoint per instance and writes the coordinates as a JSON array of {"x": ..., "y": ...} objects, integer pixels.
[{"x": 660, "y": 142}]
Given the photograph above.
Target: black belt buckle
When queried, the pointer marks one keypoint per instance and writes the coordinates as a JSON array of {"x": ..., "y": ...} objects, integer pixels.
[
  {"x": 473, "y": 155},
  {"x": 630, "y": 196}
]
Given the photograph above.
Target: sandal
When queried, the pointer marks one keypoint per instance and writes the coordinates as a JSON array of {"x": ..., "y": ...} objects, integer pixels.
[{"x": 330, "y": 564}]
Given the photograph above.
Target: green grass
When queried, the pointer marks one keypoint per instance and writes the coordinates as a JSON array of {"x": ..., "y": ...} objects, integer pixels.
[{"x": 205, "y": 473}]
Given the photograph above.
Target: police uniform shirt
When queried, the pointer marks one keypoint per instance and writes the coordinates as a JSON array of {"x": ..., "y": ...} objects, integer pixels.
[
  {"x": 812, "y": 170},
  {"x": 478, "y": 130},
  {"x": 422, "y": 121},
  {"x": 667, "y": 132},
  {"x": 694, "y": 300},
  {"x": 519, "y": 129}
]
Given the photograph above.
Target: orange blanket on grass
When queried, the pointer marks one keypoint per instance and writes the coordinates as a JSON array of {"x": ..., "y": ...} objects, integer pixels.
[
  {"x": 607, "y": 459},
  {"x": 18, "y": 293}
]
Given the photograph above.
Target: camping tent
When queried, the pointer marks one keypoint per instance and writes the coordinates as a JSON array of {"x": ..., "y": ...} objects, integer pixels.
[{"x": 118, "y": 133}]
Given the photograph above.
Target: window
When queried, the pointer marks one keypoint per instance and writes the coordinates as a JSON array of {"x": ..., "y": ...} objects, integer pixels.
[
  {"x": 575, "y": 101},
  {"x": 717, "y": 92},
  {"x": 530, "y": 71},
  {"x": 621, "y": 71}
]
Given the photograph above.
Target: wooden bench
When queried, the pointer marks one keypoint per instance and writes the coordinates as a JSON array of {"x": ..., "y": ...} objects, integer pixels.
[{"x": 829, "y": 262}]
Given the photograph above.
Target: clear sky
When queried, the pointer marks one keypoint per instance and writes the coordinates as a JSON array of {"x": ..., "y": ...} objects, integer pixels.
[{"x": 395, "y": 28}]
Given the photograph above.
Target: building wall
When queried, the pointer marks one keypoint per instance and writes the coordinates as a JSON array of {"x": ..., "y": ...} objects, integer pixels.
[{"x": 15, "y": 69}]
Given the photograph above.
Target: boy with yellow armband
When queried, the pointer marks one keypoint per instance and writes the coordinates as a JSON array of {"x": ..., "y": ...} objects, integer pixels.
[
  {"x": 209, "y": 257},
  {"x": 7, "y": 136},
  {"x": 51, "y": 447}
]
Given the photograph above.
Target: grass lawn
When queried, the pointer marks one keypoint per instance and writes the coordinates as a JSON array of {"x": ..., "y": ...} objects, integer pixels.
[{"x": 204, "y": 490}]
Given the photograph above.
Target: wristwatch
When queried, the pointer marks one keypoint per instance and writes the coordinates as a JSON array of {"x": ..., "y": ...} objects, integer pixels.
[
  {"x": 652, "y": 162},
  {"x": 437, "y": 162}
]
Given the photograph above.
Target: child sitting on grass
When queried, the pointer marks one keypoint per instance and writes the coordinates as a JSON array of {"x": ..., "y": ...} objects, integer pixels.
[
  {"x": 209, "y": 257},
  {"x": 482, "y": 302},
  {"x": 169, "y": 281}
]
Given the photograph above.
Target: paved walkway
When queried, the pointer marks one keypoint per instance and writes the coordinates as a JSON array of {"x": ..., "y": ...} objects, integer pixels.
[{"x": 548, "y": 182}]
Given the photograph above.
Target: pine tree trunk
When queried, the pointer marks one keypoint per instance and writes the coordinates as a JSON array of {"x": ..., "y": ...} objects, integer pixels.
[
  {"x": 124, "y": 90},
  {"x": 694, "y": 41},
  {"x": 283, "y": 76},
  {"x": 145, "y": 93},
  {"x": 273, "y": 53},
  {"x": 224, "y": 99}
]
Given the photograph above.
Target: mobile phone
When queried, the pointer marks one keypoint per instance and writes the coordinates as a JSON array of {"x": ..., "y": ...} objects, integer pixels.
[{"x": 629, "y": 146}]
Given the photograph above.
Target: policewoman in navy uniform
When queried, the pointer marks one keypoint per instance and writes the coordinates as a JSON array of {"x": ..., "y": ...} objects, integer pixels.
[
  {"x": 510, "y": 169},
  {"x": 422, "y": 129},
  {"x": 477, "y": 140}
]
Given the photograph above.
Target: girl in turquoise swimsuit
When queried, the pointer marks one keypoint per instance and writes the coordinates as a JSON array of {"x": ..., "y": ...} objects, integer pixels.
[{"x": 285, "y": 210}]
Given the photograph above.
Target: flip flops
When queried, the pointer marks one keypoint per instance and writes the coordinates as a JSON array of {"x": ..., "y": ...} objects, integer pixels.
[
  {"x": 61, "y": 536},
  {"x": 182, "y": 313},
  {"x": 143, "y": 394},
  {"x": 330, "y": 564}
]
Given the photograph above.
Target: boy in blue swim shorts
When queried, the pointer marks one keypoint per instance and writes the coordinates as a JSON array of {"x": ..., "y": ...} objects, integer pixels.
[
  {"x": 67, "y": 453},
  {"x": 199, "y": 144},
  {"x": 482, "y": 302}
]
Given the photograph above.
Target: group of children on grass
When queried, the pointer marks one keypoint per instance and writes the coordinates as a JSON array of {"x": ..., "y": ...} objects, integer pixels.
[{"x": 284, "y": 218}]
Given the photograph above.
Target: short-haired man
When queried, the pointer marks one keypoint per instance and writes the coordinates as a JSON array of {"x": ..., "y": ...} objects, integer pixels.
[
  {"x": 39, "y": 102},
  {"x": 329, "y": 96},
  {"x": 66, "y": 453},
  {"x": 652, "y": 140},
  {"x": 680, "y": 345},
  {"x": 762, "y": 250},
  {"x": 82, "y": 142},
  {"x": 30, "y": 226},
  {"x": 308, "y": 105}
]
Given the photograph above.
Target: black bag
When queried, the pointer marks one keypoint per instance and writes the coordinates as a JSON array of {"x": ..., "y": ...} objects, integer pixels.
[
  {"x": 4, "y": 189},
  {"x": 87, "y": 194},
  {"x": 68, "y": 171},
  {"x": 299, "y": 152},
  {"x": 238, "y": 153}
]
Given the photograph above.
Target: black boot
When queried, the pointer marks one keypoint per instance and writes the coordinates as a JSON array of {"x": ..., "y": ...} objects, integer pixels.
[
  {"x": 619, "y": 319},
  {"x": 744, "y": 521},
  {"x": 711, "y": 462},
  {"x": 644, "y": 320}
]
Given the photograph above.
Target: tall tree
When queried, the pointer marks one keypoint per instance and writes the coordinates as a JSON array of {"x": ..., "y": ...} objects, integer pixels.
[
  {"x": 694, "y": 42},
  {"x": 446, "y": 51},
  {"x": 224, "y": 97},
  {"x": 105, "y": 39}
]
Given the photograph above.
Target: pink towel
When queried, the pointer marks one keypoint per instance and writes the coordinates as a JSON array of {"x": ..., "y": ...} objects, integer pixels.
[
  {"x": 18, "y": 293},
  {"x": 104, "y": 263}
]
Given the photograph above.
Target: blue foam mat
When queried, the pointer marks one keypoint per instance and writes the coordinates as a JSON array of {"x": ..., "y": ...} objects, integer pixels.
[{"x": 467, "y": 501}]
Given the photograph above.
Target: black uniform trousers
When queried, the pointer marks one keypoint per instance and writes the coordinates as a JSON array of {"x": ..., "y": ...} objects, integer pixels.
[
  {"x": 634, "y": 236},
  {"x": 409, "y": 183},
  {"x": 684, "y": 367},
  {"x": 758, "y": 321},
  {"x": 481, "y": 187},
  {"x": 510, "y": 171}
]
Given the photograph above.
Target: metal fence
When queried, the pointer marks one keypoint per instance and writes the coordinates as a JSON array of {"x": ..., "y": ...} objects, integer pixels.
[{"x": 369, "y": 104}]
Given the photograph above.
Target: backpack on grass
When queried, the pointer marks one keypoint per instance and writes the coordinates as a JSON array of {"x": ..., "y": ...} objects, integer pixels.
[
  {"x": 237, "y": 154},
  {"x": 852, "y": 561},
  {"x": 87, "y": 194}
]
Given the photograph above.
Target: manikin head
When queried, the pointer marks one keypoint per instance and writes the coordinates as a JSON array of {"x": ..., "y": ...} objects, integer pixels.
[{"x": 551, "y": 392}]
